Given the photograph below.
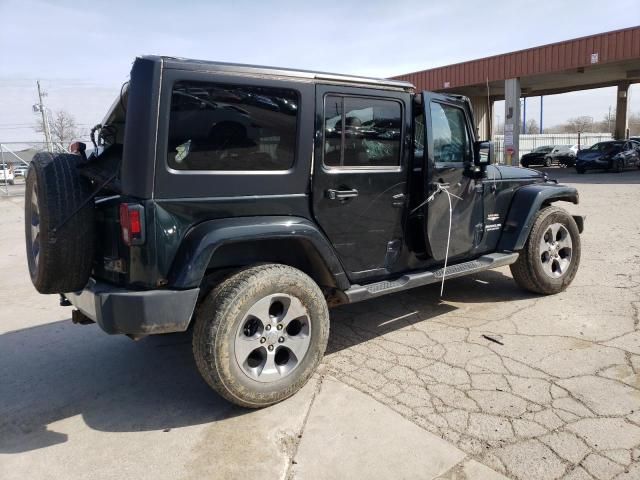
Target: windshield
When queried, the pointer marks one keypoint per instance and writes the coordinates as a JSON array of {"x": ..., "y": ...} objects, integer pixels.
[{"x": 606, "y": 146}]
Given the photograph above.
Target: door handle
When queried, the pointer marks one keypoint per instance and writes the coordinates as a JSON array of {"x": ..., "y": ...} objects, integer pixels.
[{"x": 341, "y": 194}]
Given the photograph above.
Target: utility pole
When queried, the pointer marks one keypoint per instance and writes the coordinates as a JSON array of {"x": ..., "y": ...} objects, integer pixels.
[{"x": 45, "y": 119}]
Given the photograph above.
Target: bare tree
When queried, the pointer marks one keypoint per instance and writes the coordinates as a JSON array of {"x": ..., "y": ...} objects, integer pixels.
[
  {"x": 579, "y": 124},
  {"x": 63, "y": 129},
  {"x": 531, "y": 127},
  {"x": 634, "y": 124}
]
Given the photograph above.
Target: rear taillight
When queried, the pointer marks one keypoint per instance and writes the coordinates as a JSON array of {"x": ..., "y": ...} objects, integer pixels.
[{"x": 132, "y": 223}]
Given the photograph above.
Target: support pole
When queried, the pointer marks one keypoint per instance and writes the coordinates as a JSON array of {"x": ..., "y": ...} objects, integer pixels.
[
  {"x": 622, "y": 112},
  {"x": 512, "y": 121},
  {"x": 541, "y": 109}
]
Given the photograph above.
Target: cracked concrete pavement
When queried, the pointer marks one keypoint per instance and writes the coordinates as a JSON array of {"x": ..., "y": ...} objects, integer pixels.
[
  {"x": 487, "y": 382},
  {"x": 559, "y": 396}
]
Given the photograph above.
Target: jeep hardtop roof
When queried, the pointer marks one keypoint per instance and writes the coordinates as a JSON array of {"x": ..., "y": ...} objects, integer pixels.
[{"x": 258, "y": 70}]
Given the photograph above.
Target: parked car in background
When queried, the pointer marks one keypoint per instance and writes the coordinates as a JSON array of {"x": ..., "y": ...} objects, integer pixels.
[
  {"x": 538, "y": 156},
  {"x": 20, "y": 171},
  {"x": 6, "y": 175},
  {"x": 564, "y": 155},
  {"x": 612, "y": 155}
]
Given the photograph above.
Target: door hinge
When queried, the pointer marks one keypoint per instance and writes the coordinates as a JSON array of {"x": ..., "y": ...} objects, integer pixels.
[
  {"x": 393, "y": 250},
  {"x": 399, "y": 200},
  {"x": 478, "y": 233}
]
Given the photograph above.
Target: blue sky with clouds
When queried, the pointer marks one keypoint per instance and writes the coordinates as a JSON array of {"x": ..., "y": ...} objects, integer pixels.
[{"x": 82, "y": 51}]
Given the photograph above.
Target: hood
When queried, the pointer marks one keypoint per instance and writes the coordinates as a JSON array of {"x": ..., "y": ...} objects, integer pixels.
[{"x": 519, "y": 173}]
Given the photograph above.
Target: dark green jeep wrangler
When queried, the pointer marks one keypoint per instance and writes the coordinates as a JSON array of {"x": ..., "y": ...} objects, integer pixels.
[{"x": 243, "y": 201}]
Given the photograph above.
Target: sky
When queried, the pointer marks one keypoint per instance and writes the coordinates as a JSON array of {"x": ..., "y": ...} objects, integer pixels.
[{"x": 82, "y": 51}]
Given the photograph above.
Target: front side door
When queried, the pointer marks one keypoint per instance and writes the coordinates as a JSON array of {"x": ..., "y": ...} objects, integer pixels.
[
  {"x": 359, "y": 183},
  {"x": 630, "y": 155},
  {"x": 449, "y": 163}
]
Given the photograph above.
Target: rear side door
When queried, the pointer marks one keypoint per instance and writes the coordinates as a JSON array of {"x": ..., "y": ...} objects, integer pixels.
[
  {"x": 359, "y": 181},
  {"x": 449, "y": 164}
]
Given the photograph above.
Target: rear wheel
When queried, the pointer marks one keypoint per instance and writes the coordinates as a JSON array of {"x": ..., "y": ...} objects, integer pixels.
[
  {"x": 550, "y": 258},
  {"x": 580, "y": 170},
  {"x": 260, "y": 334},
  {"x": 548, "y": 162}
]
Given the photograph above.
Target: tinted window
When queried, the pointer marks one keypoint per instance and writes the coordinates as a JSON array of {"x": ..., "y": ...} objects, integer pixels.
[
  {"x": 450, "y": 138},
  {"x": 362, "y": 132},
  {"x": 231, "y": 127}
]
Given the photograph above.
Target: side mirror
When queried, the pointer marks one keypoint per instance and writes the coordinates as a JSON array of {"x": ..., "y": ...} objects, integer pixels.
[{"x": 483, "y": 154}]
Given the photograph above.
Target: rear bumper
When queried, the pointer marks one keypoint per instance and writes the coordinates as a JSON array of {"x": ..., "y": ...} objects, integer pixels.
[{"x": 133, "y": 312}]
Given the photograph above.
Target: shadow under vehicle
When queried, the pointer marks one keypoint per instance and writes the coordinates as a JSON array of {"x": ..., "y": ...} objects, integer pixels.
[{"x": 241, "y": 203}]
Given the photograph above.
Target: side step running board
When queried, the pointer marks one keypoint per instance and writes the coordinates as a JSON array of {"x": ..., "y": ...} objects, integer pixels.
[{"x": 358, "y": 293}]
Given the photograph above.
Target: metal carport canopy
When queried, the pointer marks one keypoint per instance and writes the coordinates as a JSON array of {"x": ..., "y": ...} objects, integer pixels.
[{"x": 600, "y": 60}]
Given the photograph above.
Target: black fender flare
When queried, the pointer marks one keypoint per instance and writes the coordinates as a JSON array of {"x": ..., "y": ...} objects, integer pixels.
[
  {"x": 526, "y": 203},
  {"x": 202, "y": 240}
]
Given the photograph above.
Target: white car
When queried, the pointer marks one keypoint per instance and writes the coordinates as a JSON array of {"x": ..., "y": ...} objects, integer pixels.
[
  {"x": 20, "y": 171},
  {"x": 6, "y": 175}
]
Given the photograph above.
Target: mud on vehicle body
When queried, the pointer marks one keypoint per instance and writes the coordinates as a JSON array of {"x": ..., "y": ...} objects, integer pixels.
[{"x": 244, "y": 201}]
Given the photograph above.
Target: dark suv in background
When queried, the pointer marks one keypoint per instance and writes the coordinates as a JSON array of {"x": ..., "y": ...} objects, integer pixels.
[
  {"x": 241, "y": 202},
  {"x": 616, "y": 155}
]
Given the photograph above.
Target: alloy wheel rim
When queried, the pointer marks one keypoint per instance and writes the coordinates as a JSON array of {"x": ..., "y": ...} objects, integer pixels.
[
  {"x": 556, "y": 250},
  {"x": 273, "y": 338}
]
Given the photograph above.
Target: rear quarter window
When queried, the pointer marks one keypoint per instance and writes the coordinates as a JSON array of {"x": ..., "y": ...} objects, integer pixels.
[{"x": 223, "y": 127}]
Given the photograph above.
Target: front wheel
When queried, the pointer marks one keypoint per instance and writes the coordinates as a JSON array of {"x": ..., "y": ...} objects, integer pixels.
[
  {"x": 580, "y": 170},
  {"x": 260, "y": 334},
  {"x": 548, "y": 162},
  {"x": 550, "y": 258}
]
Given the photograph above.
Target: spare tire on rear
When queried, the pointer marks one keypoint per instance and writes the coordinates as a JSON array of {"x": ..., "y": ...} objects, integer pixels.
[{"x": 59, "y": 241}]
